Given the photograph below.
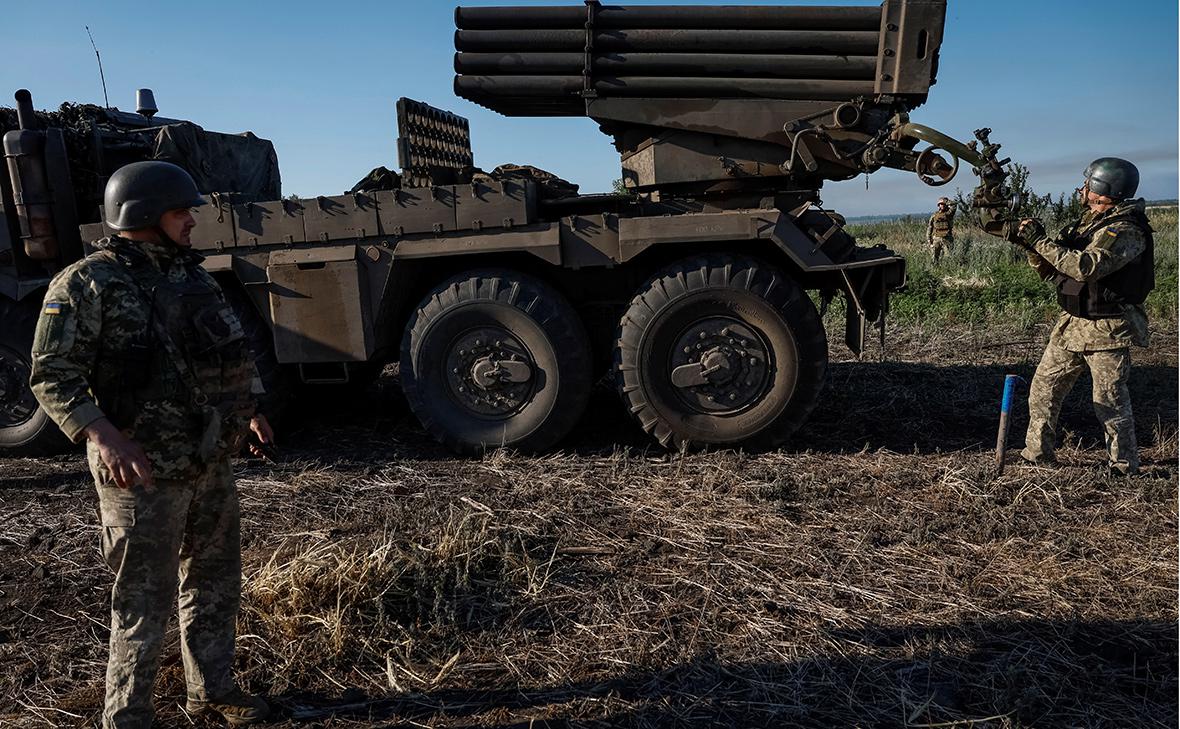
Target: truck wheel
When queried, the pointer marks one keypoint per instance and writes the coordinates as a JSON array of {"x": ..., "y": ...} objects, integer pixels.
[
  {"x": 25, "y": 429},
  {"x": 720, "y": 349},
  {"x": 495, "y": 358}
]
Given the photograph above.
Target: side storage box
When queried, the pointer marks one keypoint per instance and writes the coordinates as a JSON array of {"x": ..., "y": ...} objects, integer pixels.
[{"x": 319, "y": 302}]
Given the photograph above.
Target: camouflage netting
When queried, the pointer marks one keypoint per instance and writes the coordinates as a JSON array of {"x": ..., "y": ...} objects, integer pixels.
[
  {"x": 70, "y": 117},
  {"x": 227, "y": 163},
  {"x": 549, "y": 185},
  {"x": 379, "y": 178},
  {"x": 76, "y": 121},
  {"x": 238, "y": 163}
]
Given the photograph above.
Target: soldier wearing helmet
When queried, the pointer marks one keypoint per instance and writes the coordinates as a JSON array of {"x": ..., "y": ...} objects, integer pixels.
[
  {"x": 137, "y": 352},
  {"x": 940, "y": 229},
  {"x": 1103, "y": 266}
]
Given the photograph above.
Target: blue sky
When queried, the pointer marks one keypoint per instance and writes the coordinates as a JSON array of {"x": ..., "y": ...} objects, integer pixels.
[{"x": 1060, "y": 82}]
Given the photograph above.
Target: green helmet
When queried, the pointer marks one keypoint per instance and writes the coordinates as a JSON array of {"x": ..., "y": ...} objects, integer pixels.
[
  {"x": 139, "y": 193},
  {"x": 1115, "y": 178}
]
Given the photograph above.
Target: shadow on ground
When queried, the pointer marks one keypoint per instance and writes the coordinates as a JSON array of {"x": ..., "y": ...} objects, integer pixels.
[
  {"x": 902, "y": 407},
  {"x": 1015, "y": 673},
  {"x": 926, "y": 408}
]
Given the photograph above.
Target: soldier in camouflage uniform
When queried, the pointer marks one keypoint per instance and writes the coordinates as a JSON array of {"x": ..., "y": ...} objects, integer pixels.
[
  {"x": 940, "y": 229},
  {"x": 137, "y": 352},
  {"x": 1103, "y": 266}
]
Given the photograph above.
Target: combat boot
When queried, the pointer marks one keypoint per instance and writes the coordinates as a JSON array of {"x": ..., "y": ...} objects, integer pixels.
[
  {"x": 238, "y": 707},
  {"x": 1027, "y": 459}
]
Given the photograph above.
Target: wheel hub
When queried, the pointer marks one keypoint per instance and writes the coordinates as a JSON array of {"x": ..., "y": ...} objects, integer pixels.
[
  {"x": 490, "y": 372},
  {"x": 720, "y": 365},
  {"x": 17, "y": 403}
]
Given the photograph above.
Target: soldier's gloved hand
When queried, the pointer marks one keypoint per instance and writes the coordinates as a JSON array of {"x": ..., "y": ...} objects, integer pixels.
[
  {"x": 124, "y": 457},
  {"x": 1030, "y": 231}
]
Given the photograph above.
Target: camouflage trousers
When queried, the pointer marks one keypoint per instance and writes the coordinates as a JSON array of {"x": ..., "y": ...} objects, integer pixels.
[
  {"x": 1056, "y": 374},
  {"x": 182, "y": 537},
  {"x": 940, "y": 244}
]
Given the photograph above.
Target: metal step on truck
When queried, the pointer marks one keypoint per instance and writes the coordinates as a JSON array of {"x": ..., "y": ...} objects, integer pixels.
[{"x": 505, "y": 295}]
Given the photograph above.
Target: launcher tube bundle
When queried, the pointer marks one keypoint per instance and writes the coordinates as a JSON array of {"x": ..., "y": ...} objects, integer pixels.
[{"x": 782, "y": 97}]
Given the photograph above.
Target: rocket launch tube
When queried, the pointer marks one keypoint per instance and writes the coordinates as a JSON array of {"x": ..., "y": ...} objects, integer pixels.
[
  {"x": 813, "y": 42},
  {"x": 541, "y": 87},
  {"x": 672, "y": 17},
  {"x": 669, "y": 64}
]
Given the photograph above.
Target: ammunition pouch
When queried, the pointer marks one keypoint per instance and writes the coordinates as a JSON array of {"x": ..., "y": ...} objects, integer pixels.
[
  {"x": 1088, "y": 300},
  {"x": 217, "y": 334},
  {"x": 224, "y": 427},
  {"x": 135, "y": 380},
  {"x": 214, "y": 354}
]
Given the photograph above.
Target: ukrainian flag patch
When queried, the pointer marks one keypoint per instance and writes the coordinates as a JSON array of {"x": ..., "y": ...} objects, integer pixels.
[
  {"x": 55, "y": 328},
  {"x": 1105, "y": 240}
]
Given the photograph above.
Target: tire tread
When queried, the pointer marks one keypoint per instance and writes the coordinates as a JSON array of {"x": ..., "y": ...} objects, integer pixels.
[
  {"x": 548, "y": 309},
  {"x": 719, "y": 270}
]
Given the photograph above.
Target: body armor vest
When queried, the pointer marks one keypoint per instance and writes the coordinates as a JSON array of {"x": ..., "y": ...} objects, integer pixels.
[
  {"x": 1105, "y": 298},
  {"x": 942, "y": 223},
  {"x": 192, "y": 351}
]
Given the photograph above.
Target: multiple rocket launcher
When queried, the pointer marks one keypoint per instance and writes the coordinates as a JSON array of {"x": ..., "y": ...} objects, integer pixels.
[
  {"x": 709, "y": 99},
  {"x": 545, "y": 60}
]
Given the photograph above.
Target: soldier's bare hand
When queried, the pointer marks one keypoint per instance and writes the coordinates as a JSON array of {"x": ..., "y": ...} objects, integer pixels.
[
  {"x": 262, "y": 430},
  {"x": 124, "y": 457}
]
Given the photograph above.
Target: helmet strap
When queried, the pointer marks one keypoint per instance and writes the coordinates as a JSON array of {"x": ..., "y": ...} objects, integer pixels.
[{"x": 165, "y": 239}]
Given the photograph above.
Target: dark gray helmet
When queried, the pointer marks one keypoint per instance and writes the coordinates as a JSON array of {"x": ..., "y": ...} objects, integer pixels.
[
  {"x": 139, "y": 193},
  {"x": 1115, "y": 178}
]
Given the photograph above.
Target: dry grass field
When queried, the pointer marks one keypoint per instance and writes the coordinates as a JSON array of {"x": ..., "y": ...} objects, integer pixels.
[{"x": 875, "y": 572}]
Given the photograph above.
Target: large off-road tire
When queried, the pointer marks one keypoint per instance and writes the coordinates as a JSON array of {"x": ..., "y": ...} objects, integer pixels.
[
  {"x": 496, "y": 358},
  {"x": 720, "y": 349},
  {"x": 25, "y": 429}
]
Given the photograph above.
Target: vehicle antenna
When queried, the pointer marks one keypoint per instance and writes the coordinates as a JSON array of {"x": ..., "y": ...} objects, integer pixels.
[{"x": 105, "y": 101}]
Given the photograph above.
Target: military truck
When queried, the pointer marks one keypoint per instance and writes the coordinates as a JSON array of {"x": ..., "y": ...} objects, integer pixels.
[{"x": 504, "y": 295}]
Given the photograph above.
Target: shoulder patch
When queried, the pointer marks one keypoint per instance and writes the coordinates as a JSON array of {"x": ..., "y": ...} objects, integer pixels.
[
  {"x": 1121, "y": 238},
  {"x": 55, "y": 329},
  {"x": 1106, "y": 237}
]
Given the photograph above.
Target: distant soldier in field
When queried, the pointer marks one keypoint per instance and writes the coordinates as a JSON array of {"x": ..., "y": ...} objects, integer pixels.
[
  {"x": 940, "y": 229},
  {"x": 137, "y": 352},
  {"x": 1104, "y": 267}
]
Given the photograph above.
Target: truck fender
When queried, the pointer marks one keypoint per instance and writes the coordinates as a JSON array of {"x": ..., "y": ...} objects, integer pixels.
[{"x": 638, "y": 234}]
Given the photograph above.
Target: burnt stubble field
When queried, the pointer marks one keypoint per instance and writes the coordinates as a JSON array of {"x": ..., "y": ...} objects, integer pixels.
[{"x": 873, "y": 572}]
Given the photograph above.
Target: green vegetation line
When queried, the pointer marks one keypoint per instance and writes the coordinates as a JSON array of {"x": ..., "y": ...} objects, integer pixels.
[{"x": 982, "y": 280}]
